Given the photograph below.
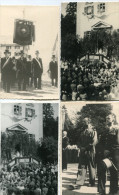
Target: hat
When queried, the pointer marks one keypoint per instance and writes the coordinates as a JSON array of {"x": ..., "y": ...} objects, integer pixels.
[
  {"x": 21, "y": 52},
  {"x": 37, "y": 52},
  {"x": 13, "y": 58},
  {"x": 29, "y": 55},
  {"x": 16, "y": 53},
  {"x": 6, "y": 51}
]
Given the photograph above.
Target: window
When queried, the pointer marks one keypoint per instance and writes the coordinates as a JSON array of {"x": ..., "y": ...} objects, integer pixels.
[
  {"x": 8, "y": 47},
  {"x": 88, "y": 10},
  {"x": 31, "y": 137},
  {"x": 30, "y": 112},
  {"x": 87, "y": 3},
  {"x": 101, "y": 7},
  {"x": 17, "y": 47},
  {"x": 87, "y": 34},
  {"x": 17, "y": 110}
]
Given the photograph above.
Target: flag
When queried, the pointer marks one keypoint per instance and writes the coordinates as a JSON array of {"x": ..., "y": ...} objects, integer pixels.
[
  {"x": 24, "y": 32},
  {"x": 55, "y": 47}
]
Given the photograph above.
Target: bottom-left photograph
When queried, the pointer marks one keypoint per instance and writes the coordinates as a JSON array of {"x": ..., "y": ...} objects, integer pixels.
[{"x": 29, "y": 148}]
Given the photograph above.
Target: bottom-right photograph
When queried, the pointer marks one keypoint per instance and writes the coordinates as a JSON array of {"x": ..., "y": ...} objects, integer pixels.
[{"x": 90, "y": 148}]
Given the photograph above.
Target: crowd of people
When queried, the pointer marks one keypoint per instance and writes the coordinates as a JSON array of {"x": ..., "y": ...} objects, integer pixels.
[
  {"x": 89, "y": 80},
  {"x": 25, "y": 71},
  {"x": 29, "y": 179},
  {"x": 97, "y": 154}
]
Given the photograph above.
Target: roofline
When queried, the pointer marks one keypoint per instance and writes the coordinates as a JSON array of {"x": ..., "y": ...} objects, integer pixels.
[
  {"x": 18, "y": 125},
  {"x": 101, "y": 22}
]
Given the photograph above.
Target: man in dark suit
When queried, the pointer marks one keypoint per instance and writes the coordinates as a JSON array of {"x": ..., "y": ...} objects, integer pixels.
[
  {"x": 29, "y": 71},
  {"x": 6, "y": 70},
  {"x": 53, "y": 68},
  {"x": 37, "y": 70},
  {"x": 108, "y": 157},
  {"x": 87, "y": 143},
  {"x": 21, "y": 72},
  {"x": 65, "y": 142}
]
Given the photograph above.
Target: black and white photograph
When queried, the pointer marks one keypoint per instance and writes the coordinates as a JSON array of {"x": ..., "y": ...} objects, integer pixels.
[
  {"x": 89, "y": 51},
  {"x": 29, "y": 149},
  {"x": 90, "y": 148},
  {"x": 29, "y": 49}
]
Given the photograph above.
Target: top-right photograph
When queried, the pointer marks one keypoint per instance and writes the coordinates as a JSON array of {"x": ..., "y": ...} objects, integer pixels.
[{"x": 90, "y": 51}]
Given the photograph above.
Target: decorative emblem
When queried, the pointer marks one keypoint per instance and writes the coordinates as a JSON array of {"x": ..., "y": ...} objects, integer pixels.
[{"x": 89, "y": 11}]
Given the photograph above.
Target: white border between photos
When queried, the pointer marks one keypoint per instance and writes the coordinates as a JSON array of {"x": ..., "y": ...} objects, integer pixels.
[{"x": 45, "y": 2}]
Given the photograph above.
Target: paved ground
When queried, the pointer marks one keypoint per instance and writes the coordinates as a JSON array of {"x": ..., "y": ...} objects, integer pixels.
[
  {"x": 47, "y": 92},
  {"x": 69, "y": 177}
]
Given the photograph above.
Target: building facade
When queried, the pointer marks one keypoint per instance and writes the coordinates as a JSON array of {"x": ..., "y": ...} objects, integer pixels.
[
  {"x": 96, "y": 15},
  {"x": 6, "y": 42},
  {"x": 22, "y": 117}
]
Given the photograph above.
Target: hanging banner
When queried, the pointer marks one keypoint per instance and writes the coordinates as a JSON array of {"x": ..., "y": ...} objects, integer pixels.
[{"x": 24, "y": 32}]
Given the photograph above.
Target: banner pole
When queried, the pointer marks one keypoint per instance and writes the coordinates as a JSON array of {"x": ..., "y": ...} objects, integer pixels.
[{"x": 24, "y": 19}]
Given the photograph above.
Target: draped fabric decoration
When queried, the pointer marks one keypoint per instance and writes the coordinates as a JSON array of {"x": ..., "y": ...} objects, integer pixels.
[
  {"x": 24, "y": 32},
  {"x": 30, "y": 114},
  {"x": 89, "y": 11}
]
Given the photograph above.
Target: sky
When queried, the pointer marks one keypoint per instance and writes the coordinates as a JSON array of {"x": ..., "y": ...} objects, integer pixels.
[
  {"x": 56, "y": 109},
  {"x": 63, "y": 8},
  {"x": 30, "y": 2},
  {"x": 73, "y": 108},
  {"x": 46, "y": 20}
]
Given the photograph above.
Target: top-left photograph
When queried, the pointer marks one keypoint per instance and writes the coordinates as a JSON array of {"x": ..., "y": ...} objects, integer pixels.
[{"x": 29, "y": 52}]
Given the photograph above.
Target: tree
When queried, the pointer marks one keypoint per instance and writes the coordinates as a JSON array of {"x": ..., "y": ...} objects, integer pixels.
[
  {"x": 48, "y": 145},
  {"x": 68, "y": 25},
  {"x": 69, "y": 40},
  {"x": 101, "y": 39},
  {"x": 47, "y": 111},
  {"x": 70, "y": 47},
  {"x": 67, "y": 121},
  {"x": 71, "y": 8},
  {"x": 68, "y": 22},
  {"x": 97, "y": 114},
  {"x": 50, "y": 124},
  {"x": 48, "y": 149},
  {"x": 12, "y": 142}
]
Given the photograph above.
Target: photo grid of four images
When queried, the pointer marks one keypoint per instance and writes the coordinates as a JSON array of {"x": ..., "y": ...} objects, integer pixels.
[{"x": 59, "y": 76}]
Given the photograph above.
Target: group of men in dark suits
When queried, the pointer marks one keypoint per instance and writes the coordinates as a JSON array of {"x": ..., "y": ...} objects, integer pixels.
[{"x": 25, "y": 71}]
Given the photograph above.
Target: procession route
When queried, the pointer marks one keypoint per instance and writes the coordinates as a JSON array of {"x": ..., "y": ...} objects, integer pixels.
[
  {"x": 47, "y": 92},
  {"x": 69, "y": 178}
]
